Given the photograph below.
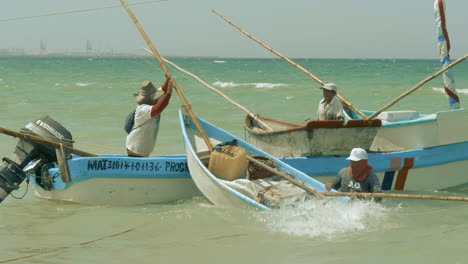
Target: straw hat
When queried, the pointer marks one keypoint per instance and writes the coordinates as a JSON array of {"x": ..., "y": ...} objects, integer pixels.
[
  {"x": 329, "y": 86},
  {"x": 357, "y": 154},
  {"x": 148, "y": 93}
]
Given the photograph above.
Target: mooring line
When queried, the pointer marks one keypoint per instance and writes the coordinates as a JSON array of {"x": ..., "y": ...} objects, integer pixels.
[
  {"x": 62, "y": 248},
  {"x": 79, "y": 11}
]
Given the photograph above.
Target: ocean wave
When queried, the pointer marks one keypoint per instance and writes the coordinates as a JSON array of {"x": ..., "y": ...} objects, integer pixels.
[
  {"x": 226, "y": 84},
  {"x": 83, "y": 84},
  {"x": 459, "y": 91},
  {"x": 268, "y": 85},
  {"x": 256, "y": 85},
  {"x": 219, "y": 61}
]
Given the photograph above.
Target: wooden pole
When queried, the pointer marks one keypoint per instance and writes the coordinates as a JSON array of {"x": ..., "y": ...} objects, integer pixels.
[
  {"x": 195, "y": 120},
  {"x": 397, "y": 195},
  {"x": 298, "y": 183},
  {"x": 46, "y": 142},
  {"x": 342, "y": 99},
  {"x": 166, "y": 71},
  {"x": 414, "y": 88},
  {"x": 255, "y": 117}
]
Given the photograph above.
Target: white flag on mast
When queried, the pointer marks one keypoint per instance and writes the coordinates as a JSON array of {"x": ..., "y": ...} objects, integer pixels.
[{"x": 444, "y": 49}]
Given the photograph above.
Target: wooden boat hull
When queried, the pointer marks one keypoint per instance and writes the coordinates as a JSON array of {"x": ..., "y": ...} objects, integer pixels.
[
  {"x": 121, "y": 180},
  {"x": 399, "y": 131},
  {"x": 216, "y": 190},
  {"x": 315, "y": 138}
]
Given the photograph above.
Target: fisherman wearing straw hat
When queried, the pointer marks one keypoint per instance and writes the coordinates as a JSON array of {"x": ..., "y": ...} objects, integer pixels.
[
  {"x": 330, "y": 108},
  {"x": 358, "y": 177},
  {"x": 150, "y": 104}
]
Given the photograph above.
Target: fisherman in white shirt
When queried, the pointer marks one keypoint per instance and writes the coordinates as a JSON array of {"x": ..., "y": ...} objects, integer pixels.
[
  {"x": 330, "y": 108},
  {"x": 151, "y": 103}
]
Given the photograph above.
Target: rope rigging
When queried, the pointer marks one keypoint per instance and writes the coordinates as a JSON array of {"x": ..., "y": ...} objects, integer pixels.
[{"x": 79, "y": 11}]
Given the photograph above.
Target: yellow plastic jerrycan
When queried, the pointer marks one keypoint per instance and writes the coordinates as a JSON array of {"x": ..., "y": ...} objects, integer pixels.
[{"x": 228, "y": 162}]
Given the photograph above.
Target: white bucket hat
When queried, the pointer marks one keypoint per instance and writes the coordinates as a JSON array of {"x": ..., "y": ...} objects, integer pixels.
[
  {"x": 329, "y": 86},
  {"x": 357, "y": 154},
  {"x": 148, "y": 93}
]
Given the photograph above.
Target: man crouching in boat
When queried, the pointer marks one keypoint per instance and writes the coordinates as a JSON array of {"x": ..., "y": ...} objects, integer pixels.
[
  {"x": 151, "y": 102},
  {"x": 330, "y": 108},
  {"x": 358, "y": 177}
]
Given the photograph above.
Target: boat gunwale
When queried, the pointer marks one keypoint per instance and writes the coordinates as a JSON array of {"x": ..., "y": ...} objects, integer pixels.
[
  {"x": 237, "y": 194},
  {"x": 311, "y": 125}
]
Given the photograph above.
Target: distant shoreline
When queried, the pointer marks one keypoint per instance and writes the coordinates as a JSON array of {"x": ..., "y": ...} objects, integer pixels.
[{"x": 130, "y": 55}]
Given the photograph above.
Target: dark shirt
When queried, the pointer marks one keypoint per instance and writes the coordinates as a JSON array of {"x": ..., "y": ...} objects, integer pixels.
[{"x": 344, "y": 183}]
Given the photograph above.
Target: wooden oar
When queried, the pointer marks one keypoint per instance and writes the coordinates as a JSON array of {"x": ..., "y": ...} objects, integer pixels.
[
  {"x": 342, "y": 99},
  {"x": 46, "y": 142},
  {"x": 414, "y": 88},
  {"x": 397, "y": 195},
  {"x": 166, "y": 71},
  {"x": 254, "y": 116}
]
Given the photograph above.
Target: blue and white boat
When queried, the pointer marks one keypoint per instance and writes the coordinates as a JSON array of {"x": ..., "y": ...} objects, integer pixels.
[
  {"x": 117, "y": 180},
  {"x": 222, "y": 192},
  {"x": 426, "y": 169}
]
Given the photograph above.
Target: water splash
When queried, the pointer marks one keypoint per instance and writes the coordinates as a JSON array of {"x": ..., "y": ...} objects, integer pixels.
[{"x": 315, "y": 218}]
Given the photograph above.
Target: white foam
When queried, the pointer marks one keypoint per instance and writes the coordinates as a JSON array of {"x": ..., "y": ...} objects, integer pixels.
[
  {"x": 219, "y": 61},
  {"x": 268, "y": 85},
  {"x": 256, "y": 85},
  {"x": 225, "y": 84},
  {"x": 459, "y": 91},
  {"x": 315, "y": 218},
  {"x": 84, "y": 84}
]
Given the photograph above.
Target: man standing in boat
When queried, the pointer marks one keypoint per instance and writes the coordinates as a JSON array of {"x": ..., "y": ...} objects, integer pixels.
[
  {"x": 151, "y": 103},
  {"x": 358, "y": 177},
  {"x": 330, "y": 108}
]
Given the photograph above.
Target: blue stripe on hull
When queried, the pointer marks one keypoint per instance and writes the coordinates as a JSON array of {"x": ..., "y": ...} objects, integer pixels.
[{"x": 388, "y": 180}]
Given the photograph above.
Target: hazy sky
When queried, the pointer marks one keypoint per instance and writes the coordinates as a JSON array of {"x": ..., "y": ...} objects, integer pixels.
[{"x": 296, "y": 28}]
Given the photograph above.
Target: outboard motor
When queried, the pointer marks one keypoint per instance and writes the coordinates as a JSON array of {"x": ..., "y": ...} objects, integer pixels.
[{"x": 11, "y": 169}]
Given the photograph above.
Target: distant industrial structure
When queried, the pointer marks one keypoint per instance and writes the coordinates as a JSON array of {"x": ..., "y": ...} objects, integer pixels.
[
  {"x": 89, "y": 48},
  {"x": 42, "y": 48},
  {"x": 44, "y": 51}
]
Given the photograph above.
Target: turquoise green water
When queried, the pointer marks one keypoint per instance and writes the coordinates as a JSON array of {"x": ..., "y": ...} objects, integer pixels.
[{"x": 92, "y": 96}]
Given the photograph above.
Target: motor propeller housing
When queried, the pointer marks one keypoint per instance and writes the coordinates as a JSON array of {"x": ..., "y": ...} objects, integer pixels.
[{"x": 11, "y": 168}]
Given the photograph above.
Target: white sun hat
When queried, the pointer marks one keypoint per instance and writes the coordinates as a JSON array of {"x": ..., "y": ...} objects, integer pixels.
[
  {"x": 357, "y": 154},
  {"x": 329, "y": 86}
]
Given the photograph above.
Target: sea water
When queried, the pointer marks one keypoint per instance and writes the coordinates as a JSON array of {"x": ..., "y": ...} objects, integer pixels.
[{"x": 91, "y": 96}]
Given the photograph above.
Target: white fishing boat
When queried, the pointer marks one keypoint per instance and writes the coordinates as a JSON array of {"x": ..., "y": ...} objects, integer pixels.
[
  {"x": 234, "y": 190},
  {"x": 392, "y": 131},
  {"x": 116, "y": 180},
  {"x": 46, "y": 156},
  {"x": 314, "y": 138}
]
